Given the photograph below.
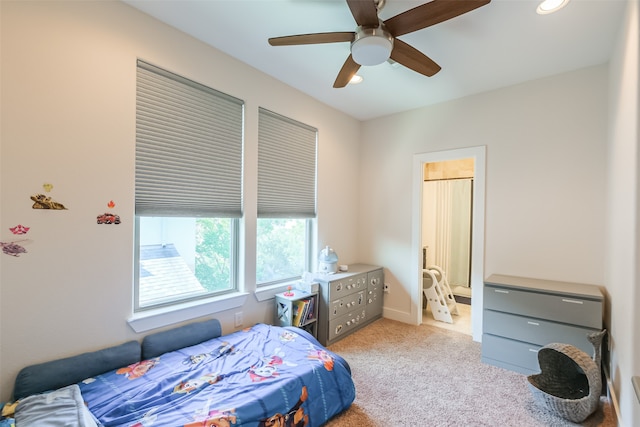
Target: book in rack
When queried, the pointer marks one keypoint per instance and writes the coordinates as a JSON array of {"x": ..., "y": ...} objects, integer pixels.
[{"x": 302, "y": 311}]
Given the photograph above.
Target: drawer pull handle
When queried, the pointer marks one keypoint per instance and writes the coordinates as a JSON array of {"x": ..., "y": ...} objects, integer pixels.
[
  {"x": 534, "y": 323},
  {"x": 501, "y": 291},
  {"x": 572, "y": 301},
  {"x": 533, "y": 350}
]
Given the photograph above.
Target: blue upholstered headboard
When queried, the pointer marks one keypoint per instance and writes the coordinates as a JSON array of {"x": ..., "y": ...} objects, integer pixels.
[
  {"x": 70, "y": 370},
  {"x": 183, "y": 336}
]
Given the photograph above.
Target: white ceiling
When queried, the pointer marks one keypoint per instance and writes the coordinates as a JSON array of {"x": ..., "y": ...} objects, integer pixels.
[{"x": 497, "y": 45}]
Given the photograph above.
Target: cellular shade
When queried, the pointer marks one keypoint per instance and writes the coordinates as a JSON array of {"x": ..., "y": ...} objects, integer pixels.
[
  {"x": 188, "y": 147},
  {"x": 286, "y": 167}
]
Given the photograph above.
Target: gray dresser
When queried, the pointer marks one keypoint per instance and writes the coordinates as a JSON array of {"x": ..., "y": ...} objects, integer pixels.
[
  {"x": 349, "y": 301},
  {"x": 521, "y": 315}
]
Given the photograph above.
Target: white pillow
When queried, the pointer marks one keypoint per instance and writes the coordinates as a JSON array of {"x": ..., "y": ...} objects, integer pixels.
[{"x": 60, "y": 408}]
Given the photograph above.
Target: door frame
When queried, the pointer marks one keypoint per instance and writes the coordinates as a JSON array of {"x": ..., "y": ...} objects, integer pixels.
[{"x": 477, "y": 230}]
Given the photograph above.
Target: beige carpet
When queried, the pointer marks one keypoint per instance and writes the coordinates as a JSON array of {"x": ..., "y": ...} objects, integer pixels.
[{"x": 427, "y": 376}]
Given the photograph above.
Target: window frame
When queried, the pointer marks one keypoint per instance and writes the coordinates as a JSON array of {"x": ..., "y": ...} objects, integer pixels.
[
  {"x": 287, "y": 186},
  {"x": 174, "y": 113}
]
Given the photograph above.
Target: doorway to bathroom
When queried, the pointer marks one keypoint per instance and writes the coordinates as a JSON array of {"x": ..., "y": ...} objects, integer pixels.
[
  {"x": 447, "y": 198},
  {"x": 476, "y": 258}
]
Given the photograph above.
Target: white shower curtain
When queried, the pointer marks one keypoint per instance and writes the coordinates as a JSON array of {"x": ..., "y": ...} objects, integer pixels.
[
  {"x": 447, "y": 227},
  {"x": 444, "y": 219}
]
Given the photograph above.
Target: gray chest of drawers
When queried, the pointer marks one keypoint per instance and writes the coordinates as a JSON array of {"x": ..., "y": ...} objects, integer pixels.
[
  {"x": 521, "y": 315},
  {"x": 349, "y": 301}
]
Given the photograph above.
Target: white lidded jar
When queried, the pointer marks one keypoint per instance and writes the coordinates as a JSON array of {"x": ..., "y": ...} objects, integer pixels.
[{"x": 327, "y": 261}]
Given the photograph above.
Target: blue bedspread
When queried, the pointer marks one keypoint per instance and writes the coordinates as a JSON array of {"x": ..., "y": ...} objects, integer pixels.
[{"x": 261, "y": 376}]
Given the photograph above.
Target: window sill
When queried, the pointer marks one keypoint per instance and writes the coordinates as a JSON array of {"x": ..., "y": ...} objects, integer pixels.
[
  {"x": 269, "y": 292},
  {"x": 152, "y": 319}
]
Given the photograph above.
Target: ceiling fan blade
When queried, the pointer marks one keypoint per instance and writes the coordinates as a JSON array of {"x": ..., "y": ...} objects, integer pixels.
[
  {"x": 429, "y": 14},
  {"x": 348, "y": 70},
  {"x": 364, "y": 12},
  {"x": 412, "y": 58},
  {"x": 335, "y": 37}
]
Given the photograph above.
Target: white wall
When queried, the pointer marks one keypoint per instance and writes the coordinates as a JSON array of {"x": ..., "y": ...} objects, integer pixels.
[
  {"x": 545, "y": 175},
  {"x": 623, "y": 239},
  {"x": 68, "y": 118}
]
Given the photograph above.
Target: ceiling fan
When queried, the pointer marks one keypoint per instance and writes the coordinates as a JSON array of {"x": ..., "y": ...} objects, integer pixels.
[{"x": 374, "y": 41}]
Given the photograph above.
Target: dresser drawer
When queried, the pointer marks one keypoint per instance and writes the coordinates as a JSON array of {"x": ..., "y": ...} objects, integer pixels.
[
  {"x": 375, "y": 279},
  {"x": 559, "y": 308},
  {"x": 344, "y": 305},
  {"x": 536, "y": 331},
  {"x": 517, "y": 355},
  {"x": 346, "y": 323},
  {"x": 347, "y": 286},
  {"x": 374, "y": 301}
]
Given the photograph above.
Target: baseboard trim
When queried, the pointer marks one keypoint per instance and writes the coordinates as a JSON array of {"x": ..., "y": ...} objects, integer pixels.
[
  {"x": 611, "y": 395},
  {"x": 400, "y": 316}
]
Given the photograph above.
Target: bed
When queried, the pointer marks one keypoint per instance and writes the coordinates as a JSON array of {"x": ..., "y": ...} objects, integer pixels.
[{"x": 191, "y": 376}]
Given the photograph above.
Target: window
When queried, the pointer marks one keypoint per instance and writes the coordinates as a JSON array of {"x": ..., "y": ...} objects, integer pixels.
[
  {"x": 188, "y": 189},
  {"x": 184, "y": 258},
  {"x": 282, "y": 252},
  {"x": 286, "y": 198}
]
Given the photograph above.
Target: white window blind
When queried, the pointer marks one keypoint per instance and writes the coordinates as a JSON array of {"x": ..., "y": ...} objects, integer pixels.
[
  {"x": 188, "y": 147},
  {"x": 286, "y": 167}
]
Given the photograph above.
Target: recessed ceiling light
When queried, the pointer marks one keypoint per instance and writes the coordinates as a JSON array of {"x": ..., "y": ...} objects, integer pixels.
[
  {"x": 356, "y": 79},
  {"x": 550, "y": 6}
]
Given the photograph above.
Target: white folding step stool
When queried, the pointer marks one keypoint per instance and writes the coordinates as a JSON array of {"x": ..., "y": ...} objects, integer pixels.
[{"x": 436, "y": 290}]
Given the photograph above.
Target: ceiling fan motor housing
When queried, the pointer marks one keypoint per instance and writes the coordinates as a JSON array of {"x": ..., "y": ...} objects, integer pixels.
[{"x": 371, "y": 45}]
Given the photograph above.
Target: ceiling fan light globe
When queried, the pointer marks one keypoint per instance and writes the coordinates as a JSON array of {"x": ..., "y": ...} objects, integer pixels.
[{"x": 373, "y": 48}]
